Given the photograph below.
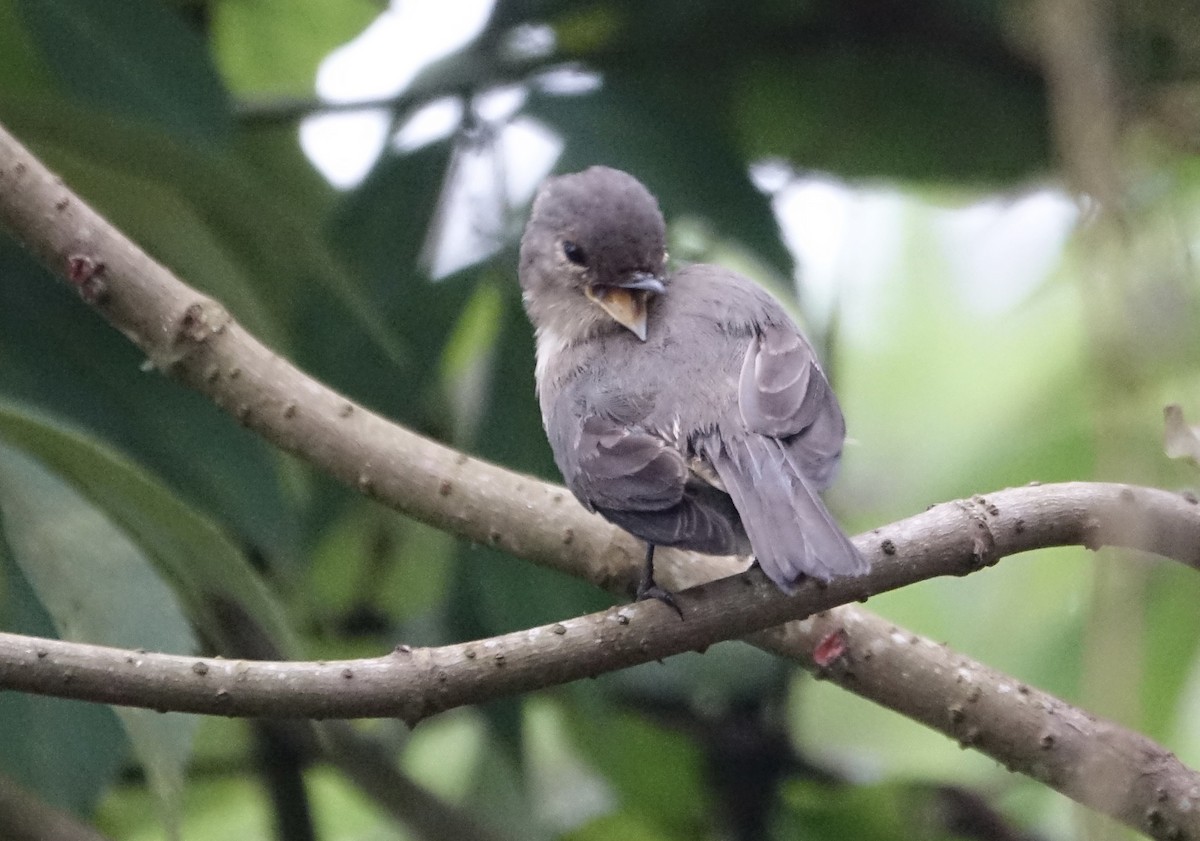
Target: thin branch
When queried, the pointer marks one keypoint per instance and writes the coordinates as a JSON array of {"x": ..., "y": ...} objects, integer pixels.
[{"x": 192, "y": 338}]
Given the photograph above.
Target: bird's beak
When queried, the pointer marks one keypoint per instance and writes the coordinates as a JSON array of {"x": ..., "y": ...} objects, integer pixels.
[{"x": 626, "y": 303}]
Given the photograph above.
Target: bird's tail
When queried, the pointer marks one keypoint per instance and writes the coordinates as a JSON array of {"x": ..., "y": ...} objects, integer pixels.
[{"x": 790, "y": 530}]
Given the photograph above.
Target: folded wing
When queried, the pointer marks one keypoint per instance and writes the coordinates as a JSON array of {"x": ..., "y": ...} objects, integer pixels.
[
  {"x": 788, "y": 451},
  {"x": 783, "y": 394},
  {"x": 642, "y": 483}
]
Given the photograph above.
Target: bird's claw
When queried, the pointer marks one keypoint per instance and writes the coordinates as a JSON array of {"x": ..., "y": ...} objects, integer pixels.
[{"x": 650, "y": 590}]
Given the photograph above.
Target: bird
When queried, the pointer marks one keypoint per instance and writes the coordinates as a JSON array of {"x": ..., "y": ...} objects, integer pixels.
[{"x": 685, "y": 407}]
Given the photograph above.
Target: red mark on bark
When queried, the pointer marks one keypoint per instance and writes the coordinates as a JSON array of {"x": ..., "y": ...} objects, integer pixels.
[
  {"x": 87, "y": 275},
  {"x": 81, "y": 268},
  {"x": 831, "y": 647}
]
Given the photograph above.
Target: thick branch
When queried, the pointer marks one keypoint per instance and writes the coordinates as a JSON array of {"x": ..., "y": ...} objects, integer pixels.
[
  {"x": 192, "y": 338},
  {"x": 411, "y": 683}
]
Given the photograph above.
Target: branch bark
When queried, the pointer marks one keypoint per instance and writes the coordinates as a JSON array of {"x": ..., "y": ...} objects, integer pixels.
[{"x": 193, "y": 339}]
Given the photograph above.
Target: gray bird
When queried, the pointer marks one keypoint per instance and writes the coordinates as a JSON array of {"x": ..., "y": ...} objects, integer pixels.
[{"x": 688, "y": 409}]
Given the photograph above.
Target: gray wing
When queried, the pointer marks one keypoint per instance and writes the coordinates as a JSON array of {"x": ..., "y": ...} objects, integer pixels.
[
  {"x": 783, "y": 393},
  {"x": 624, "y": 467},
  {"x": 642, "y": 483},
  {"x": 788, "y": 452}
]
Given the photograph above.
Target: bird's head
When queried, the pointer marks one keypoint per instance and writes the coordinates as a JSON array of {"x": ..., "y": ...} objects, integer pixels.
[{"x": 593, "y": 254}]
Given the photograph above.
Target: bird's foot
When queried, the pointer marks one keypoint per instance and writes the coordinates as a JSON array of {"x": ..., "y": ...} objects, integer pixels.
[{"x": 647, "y": 589}]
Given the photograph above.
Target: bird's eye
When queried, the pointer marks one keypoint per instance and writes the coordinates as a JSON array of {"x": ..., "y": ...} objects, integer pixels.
[{"x": 574, "y": 253}]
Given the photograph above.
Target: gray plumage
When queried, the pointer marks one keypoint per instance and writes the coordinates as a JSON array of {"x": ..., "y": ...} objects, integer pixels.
[{"x": 717, "y": 430}]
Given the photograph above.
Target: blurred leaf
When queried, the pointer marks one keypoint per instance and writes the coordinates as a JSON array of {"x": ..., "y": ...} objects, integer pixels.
[
  {"x": 893, "y": 110},
  {"x": 274, "y": 46},
  {"x": 135, "y": 57},
  {"x": 275, "y": 154},
  {"x": 709, "y": 683},
  {"x": 658, "y": 774},
  {"x": 923, "y": 90},
  {"x": 207, "y": 571},
  {"x": 380, "y": 229},
  {"x": 213, "y": 221},
  {"x": 889, "y": 812},
  {"x": 499, "y": 792},
  {"x": 218, "y": 806},
  {"x": 906, "y": 393},
  {"x": 445, "y": 751},
  {"x": 167, "y": 225},
  {"x": 69, "y": 752},
  {"x": 21, "y": 66},
  {"x": 627, "y": 826},
  {"x": 67, "y": 361},
  {"x": 98, "y": 587},
  {"x": 511, "y": 433},
  {"x": 1172, "y": 642},
  {"x": 373, "y": 561},
  {"x": 278, "y": 246}
]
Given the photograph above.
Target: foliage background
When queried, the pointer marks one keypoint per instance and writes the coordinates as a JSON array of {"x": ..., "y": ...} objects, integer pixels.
[{"x": 178, "y": 120}]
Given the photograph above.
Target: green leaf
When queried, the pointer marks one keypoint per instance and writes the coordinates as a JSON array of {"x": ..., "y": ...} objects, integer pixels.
[
  {"x": 634, "y": 756},
  {"x": 1172, "y": 639},
  {"x": 208, "y": 573},
  {"x": 69, "y": 362},
  {"x": 275, "y": 46},
  {"x": 892, "y": 812},
  {"x": 892, "y": 111},
  {"x": 69, "y": 752},
  {"x": 278, "y": 247},
  {"x": 375, "y": 560},
  {"x": 380, "y": 229},
  {"x": 135, "y": 57},
  {"x": 21, "y": 66},
  {"x": 95, "y": 582},
  {"x": 627, "y": 826},
  {"x": 98, "y": 587}
]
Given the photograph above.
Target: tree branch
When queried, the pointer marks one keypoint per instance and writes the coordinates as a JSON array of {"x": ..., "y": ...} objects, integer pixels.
[
  {"x": 1093, "y": 761},
  {"x": 193, "y": 339},
  {"x": 413, "y": 683}
]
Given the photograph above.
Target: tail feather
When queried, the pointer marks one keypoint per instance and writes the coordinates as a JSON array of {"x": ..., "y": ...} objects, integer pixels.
[{"x": 791, "y": 531}]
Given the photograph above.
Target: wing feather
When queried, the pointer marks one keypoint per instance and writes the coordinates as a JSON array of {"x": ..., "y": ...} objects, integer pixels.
[
  {"x": 625, "y": 467},
  {"x": 643, "y": 483},
  {"x": 783, "y": 394}
]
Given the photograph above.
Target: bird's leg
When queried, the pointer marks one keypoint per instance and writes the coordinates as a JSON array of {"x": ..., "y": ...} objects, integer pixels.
[{"x": 648, "y": 589}]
